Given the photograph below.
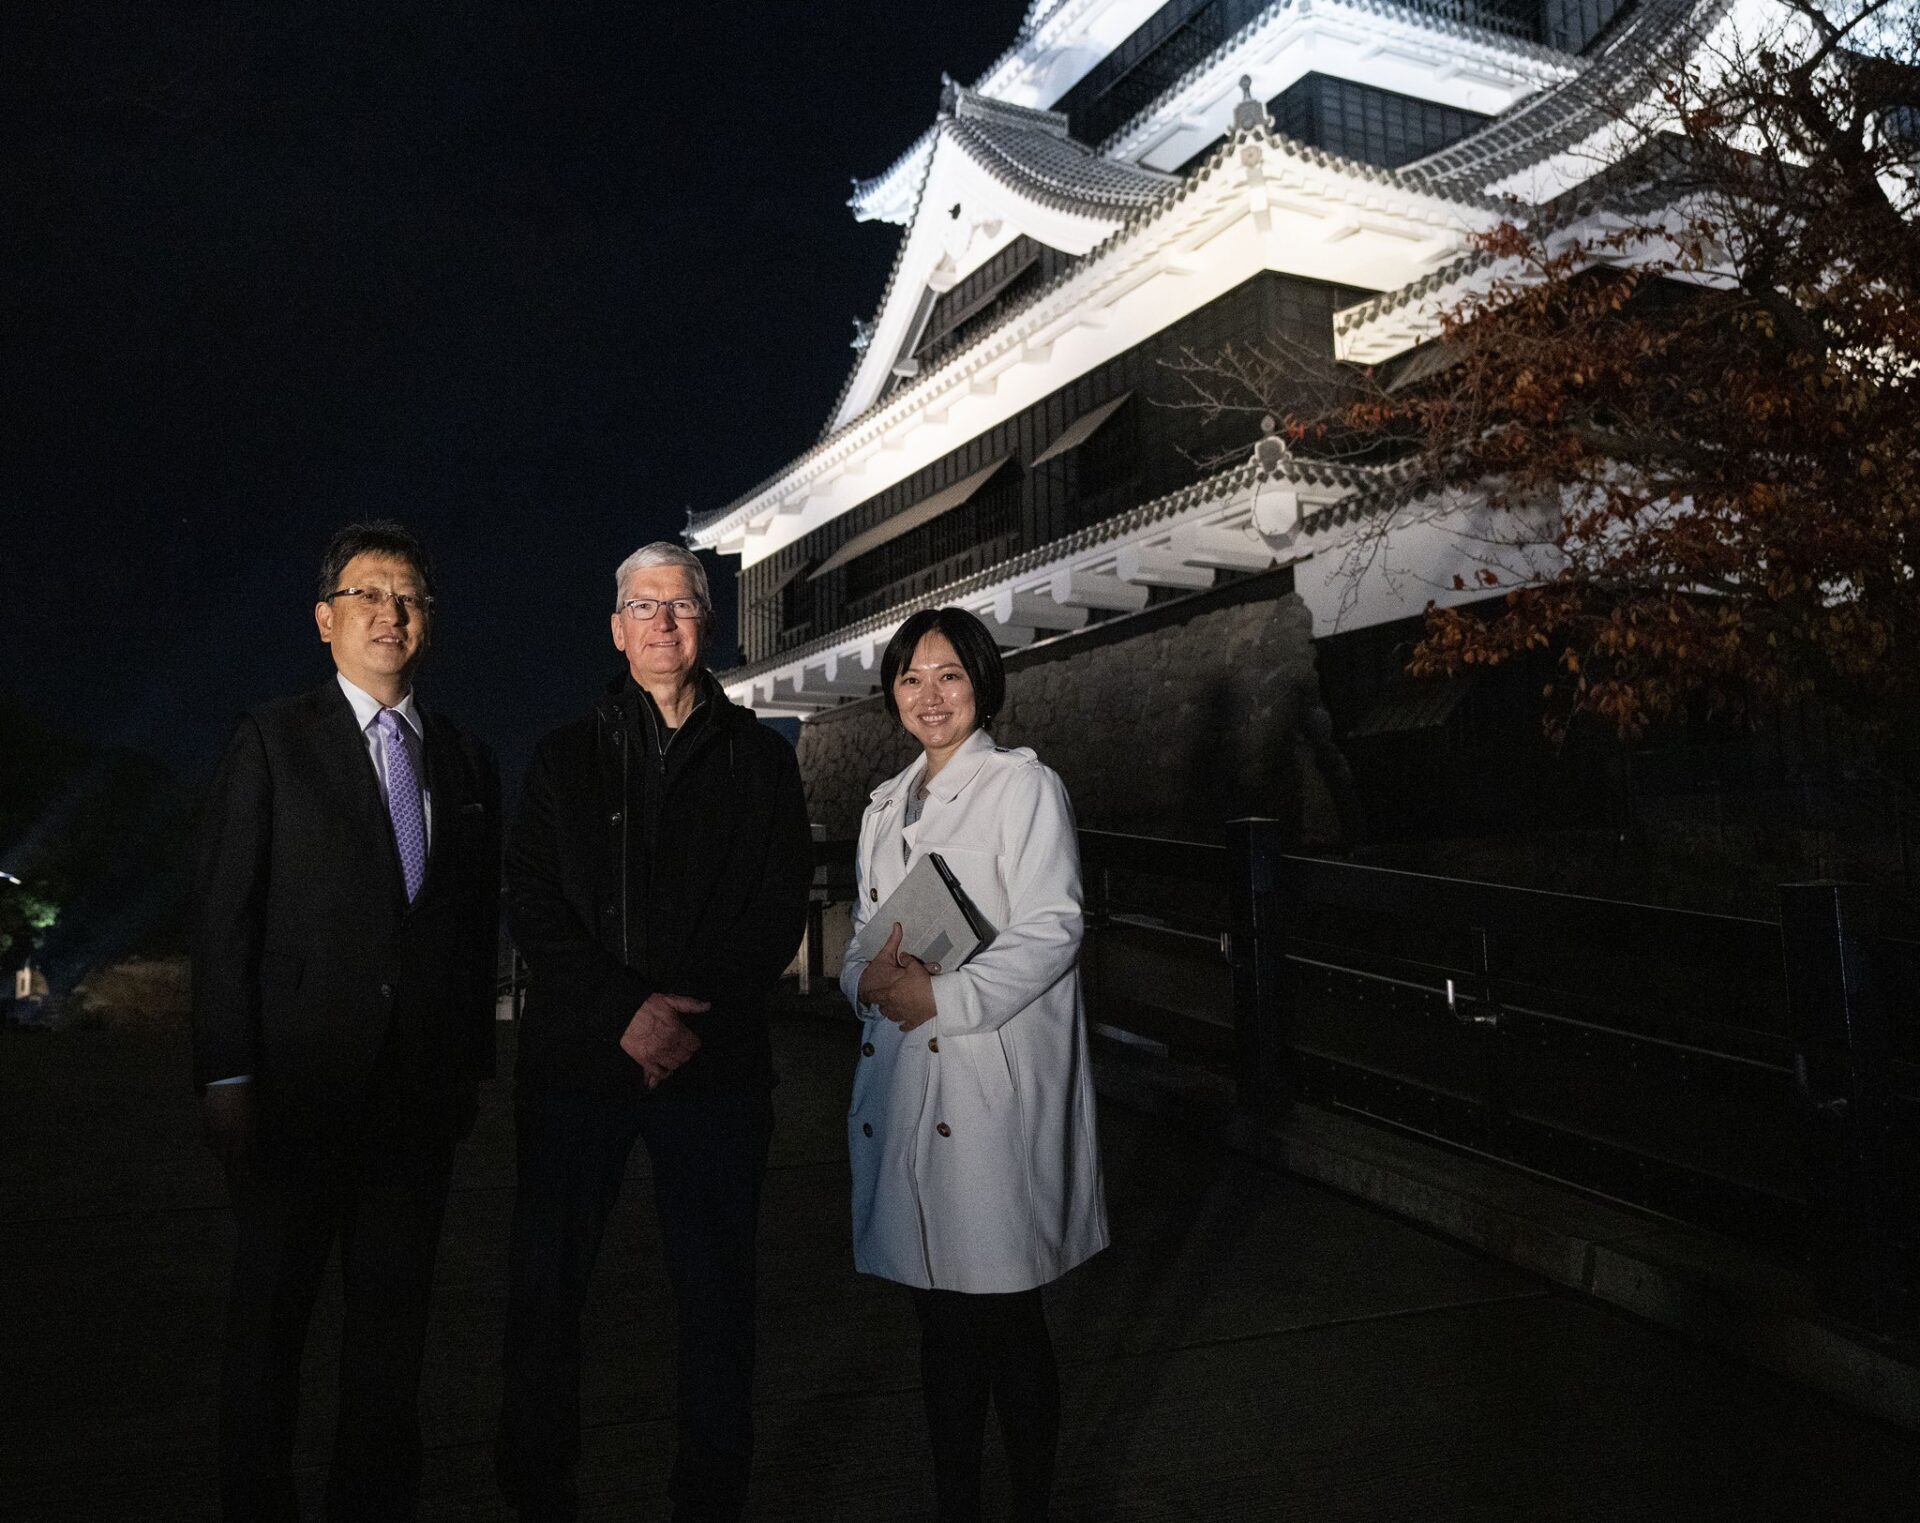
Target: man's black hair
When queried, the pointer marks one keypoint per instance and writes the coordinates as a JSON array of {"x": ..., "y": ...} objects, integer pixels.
[
  {"x": 979, "y": 658},
  {"x": 376, "y": 536}
]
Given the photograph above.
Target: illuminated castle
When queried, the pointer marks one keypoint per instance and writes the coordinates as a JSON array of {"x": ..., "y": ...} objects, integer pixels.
[{"x": 1131, "y": 183}]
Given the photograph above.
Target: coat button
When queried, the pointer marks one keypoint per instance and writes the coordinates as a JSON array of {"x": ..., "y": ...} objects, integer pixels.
[
  {"x": 933, "y": 1045},
  {"x": 614, "y": 818},
  {"x": 866, "y": 1128},
  {"x": 874, "y": 895},
  {"x": 386, "y": 991},
  {"x": 866, "y": 1049},
  {"x": 944, "y": 1130}
]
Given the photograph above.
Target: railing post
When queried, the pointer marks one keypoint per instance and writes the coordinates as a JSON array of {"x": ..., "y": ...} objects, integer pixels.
[
  {"x": 813, "y": 952},
  {"x": 1257, "y": 927},
  {"x": 1838, "y": 1027}
]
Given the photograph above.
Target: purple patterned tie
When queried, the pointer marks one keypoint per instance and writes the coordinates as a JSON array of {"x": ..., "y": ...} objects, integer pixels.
[{"x": 403, "y": 802}]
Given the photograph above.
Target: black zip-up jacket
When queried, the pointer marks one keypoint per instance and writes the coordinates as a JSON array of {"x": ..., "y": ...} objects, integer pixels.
[{"x": 643, "y": 861}]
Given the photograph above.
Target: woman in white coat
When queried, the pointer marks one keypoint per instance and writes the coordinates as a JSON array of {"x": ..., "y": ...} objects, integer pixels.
[{"x": 976, "y": 1168}]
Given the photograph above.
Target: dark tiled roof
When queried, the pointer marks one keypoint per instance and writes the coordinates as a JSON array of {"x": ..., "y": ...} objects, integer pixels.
[
  {"x": 1053, "y": 169},
  {"x": 970, "y": 105},
  {"x": 1349, "y": 318},
  {"x": 1557, "y": 118},
  {"x": 1029, "y": 149}
]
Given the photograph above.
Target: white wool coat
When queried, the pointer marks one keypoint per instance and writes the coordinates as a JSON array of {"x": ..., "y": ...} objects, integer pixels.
[{"x": 976, "y": 1164}]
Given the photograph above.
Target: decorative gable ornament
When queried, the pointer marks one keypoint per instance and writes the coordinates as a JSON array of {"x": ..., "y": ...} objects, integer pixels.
[
  {"x": 1271, "y": 452},
  {"x": 1250, "y": 114}
]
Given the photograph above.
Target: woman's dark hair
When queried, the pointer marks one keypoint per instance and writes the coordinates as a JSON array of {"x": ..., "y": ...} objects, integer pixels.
[
  {"x": 979, "y": 657},
  {"x": 378, "y": 536}
]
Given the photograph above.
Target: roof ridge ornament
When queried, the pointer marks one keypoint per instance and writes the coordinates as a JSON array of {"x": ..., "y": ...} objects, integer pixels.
[
  {"x": 1271, "y": 452},
  {"x": 1250, "y": 115},
  {"x": 958, "y": 103}
]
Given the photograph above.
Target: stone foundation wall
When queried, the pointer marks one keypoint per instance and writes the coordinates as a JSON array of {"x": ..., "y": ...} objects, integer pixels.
[{"x": 1168, "y": 723}]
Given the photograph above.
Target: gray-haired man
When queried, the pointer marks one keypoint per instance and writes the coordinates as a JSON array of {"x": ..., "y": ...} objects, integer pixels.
[{"x": 657, "y": 878}]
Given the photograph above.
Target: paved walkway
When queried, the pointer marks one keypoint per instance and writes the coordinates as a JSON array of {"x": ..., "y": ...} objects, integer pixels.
[{"x": 1252, "y": 1347}]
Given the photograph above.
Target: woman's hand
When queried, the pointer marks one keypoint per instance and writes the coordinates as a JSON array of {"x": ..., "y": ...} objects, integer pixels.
[
  {"x": 908, "y": 1000},
  {"x": 883, "y": 970},
  {"x": 900, "y": 984}
]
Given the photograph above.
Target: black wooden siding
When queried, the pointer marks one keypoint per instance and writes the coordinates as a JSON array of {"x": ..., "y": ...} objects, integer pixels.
[
  {"x": 1143, "y": 451},
  {"x": 1577, "y": 24},
  {"x": 1359, "y": 122}
]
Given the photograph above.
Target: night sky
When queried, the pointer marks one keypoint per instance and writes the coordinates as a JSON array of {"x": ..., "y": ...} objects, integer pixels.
[{"x": 534, "y": 278}]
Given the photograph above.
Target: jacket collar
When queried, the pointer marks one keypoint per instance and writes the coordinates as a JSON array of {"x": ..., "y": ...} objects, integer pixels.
[
  {"x": 961, "y": 770},
  {"x": 620, "y": 700}
]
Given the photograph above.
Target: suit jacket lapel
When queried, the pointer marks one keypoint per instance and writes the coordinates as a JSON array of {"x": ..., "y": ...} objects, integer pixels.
[
  {"x": 343, "y": 749},
  {"x": 436, "y": 747}
]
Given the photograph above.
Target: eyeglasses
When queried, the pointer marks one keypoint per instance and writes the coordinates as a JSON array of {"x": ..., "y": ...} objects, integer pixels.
[
  {"x": 643, "y": 609},
  {"x": 379, "y": 597}
]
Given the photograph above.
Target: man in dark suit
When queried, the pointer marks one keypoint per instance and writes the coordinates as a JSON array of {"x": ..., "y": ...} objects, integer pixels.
[{"x": 346, "y": 910}]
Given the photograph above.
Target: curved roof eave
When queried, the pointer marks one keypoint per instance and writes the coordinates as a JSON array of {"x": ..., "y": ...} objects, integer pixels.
[{"x": 1568, "y": 113}]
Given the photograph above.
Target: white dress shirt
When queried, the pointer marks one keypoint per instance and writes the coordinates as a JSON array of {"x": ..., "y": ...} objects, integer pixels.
[{"x": 366, "y": 711}]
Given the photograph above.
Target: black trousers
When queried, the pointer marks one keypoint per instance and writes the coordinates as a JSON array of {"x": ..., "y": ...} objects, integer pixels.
[
  {"x": 381, "y": 1196},
  {"x": 976, "y": 1348},
  {"x": 709, "y": 1156}
]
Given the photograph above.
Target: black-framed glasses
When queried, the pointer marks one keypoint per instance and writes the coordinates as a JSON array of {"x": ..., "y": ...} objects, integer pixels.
[
  {"x": 642, "y": 609},
  {"x": 378, "y": 597}
]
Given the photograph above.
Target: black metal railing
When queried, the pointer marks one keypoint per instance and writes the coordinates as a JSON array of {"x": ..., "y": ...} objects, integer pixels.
[{"x": 1756, "y": 1077}]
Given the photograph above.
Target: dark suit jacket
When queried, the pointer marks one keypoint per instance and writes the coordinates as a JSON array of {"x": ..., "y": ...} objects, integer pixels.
[{"x": 310, "y": 969}]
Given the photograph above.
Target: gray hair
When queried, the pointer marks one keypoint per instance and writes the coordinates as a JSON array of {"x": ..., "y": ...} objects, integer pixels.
[{"x": 664, "y": 552}]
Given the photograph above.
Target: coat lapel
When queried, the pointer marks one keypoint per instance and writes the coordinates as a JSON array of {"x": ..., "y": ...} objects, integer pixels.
[
  {"x": 889, "y": 802},
  {"x": 964, "y": 766},
  {"x": 438, "y": 749}
]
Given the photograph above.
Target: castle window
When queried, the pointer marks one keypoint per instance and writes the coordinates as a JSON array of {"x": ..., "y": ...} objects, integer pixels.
[
  {"x": 1100, "y": 448},
  {"x": 1359, "y": 122},
  {"x": 967, "y": 525}
]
